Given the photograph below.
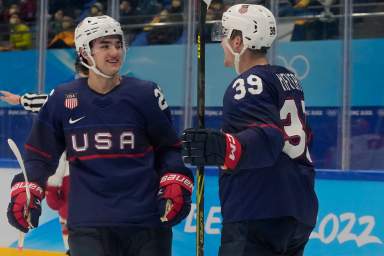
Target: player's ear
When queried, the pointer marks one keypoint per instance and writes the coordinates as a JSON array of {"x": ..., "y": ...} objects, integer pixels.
[
  {"x": 237, "y": 43},
  {"x": 84, "y": 56},
  {"x": 83, "y": 53}
]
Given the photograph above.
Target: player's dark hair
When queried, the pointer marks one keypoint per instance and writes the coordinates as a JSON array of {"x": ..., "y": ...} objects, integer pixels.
[
  {"x": 258, "y": 52},
  {"x": 80, "y": 68}
]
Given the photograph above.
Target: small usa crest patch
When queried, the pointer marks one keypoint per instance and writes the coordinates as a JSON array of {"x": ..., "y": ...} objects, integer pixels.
[
  {"x": 244, "y": 8},
  {"x": 71, "y": 101}
]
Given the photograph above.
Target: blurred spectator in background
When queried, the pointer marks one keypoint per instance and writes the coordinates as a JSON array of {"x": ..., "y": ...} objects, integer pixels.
[
  {"x": 20, "y": 37},
  {"x": 66, "y": 38},
  {"x": 126, "y": 9},
  {"x": 293, "y": 8},
  {"x": 128, "y": 16},
  {"x": 310, "y": 28},
  {"x": 13, "y": 8},
  {"x": 324, "y": 23},
  {"x": 55, "y": 25},
  {"x": 97, "y": 9},
  {"x": 4, "y": 31},
  {"x": 171, "y": 33},
  {"x": 2, "y": 10},
  {"x": 71, "y": 8},
  {"x": 326, "y": 27},
  {"x": 215, "y": 10},
  {"x": 28, "y": 10},
  {"x": 148, "y": 7}
]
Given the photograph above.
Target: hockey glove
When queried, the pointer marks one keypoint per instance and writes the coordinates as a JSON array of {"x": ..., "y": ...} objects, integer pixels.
[
  {"x": 55, "y": 198},
  {"x": 174, "y": 198},
  {"x": 53, "y": 192},
  {"x": 20, "y": 215},
  {"x": 210, "y": 147}
]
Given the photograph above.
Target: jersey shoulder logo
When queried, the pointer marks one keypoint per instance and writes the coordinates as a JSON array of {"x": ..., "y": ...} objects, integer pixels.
[
  {"x": 71, "y": 101},
  {"x": 73, "y": 121}
]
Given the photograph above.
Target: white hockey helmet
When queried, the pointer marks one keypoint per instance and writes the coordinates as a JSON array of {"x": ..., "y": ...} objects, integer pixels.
[
  {"x": 256, "y": 22},
  {"x": 92, "y": 28}
]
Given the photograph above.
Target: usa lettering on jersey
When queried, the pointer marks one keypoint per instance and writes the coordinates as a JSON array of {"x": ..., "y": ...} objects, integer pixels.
[{"x": 102, "y": 141}]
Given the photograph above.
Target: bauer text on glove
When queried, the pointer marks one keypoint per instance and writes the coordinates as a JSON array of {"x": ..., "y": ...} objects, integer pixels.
[{"x": 174, "y": 197}]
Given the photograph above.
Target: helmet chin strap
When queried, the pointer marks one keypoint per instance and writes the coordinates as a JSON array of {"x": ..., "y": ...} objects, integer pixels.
[
  {"x": 237, "y": 56},
  {"x": 94, "y": 68}
]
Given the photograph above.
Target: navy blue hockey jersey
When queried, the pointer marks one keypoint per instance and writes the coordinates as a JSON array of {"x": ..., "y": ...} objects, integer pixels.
[
  {"x": 264, "y": 108},
  {"x": 118, "y": 146}
]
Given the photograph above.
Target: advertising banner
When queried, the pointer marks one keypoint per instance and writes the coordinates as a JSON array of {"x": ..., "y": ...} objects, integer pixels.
[{"x": 350, "y": 222}]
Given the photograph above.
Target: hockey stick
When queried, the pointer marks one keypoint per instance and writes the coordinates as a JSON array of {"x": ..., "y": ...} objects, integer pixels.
[
  {"x": 16, "y": 152},
  {"x": 202, "y": 11}
]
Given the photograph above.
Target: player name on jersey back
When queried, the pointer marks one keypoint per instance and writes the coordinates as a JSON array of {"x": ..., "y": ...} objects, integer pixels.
[{"x": 289, "y": 82}]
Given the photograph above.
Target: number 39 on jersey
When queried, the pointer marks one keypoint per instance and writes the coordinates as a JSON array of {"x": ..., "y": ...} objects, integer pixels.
[{"x": 292, "y": 112}]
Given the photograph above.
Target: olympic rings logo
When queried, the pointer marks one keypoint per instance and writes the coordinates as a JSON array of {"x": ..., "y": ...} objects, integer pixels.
[{"x": 299, "y": 65}]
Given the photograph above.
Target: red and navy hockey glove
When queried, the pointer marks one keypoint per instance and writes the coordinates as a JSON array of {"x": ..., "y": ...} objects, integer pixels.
[
  {"x": 174, "y": 197},
  {"x": 210, "y": 147},
  {"x": 55, "y": 198},
  {"x": 20, "y": 215},
  {"x": 54, "y": 191}
]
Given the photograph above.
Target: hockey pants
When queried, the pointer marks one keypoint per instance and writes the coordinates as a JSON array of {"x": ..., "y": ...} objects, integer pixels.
[
  {"x": 268, "y": 237},
  {"x": 120, "y": 241}
]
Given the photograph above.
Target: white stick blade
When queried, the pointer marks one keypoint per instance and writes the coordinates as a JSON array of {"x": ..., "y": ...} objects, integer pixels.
[{"x": 19, "y": 159}]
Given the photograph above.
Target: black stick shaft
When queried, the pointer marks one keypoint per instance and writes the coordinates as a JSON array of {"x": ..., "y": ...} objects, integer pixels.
[{"x": 201, "y": 124}]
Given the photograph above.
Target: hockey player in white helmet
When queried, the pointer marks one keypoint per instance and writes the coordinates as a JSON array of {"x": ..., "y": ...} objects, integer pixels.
[
  {"x": 95, "y": 29},
  {"x": 128, "y": 184},
  {"x": 254, "y": 25},
  {"x": 268, "y": 202}
]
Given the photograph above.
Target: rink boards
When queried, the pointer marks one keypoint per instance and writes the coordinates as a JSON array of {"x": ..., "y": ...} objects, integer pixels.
[
  {"x": 321, "y": 80},
  {"x": 351, "y": 219}
]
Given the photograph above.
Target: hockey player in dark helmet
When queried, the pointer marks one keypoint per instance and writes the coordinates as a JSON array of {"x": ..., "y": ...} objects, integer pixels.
[
  {"x": 128, "y": 184},
  {"x": 266, "y": 179}
]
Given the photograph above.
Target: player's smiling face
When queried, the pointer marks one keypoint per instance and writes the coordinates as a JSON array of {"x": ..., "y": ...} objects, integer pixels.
[{"x": 108, "y": 53}]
